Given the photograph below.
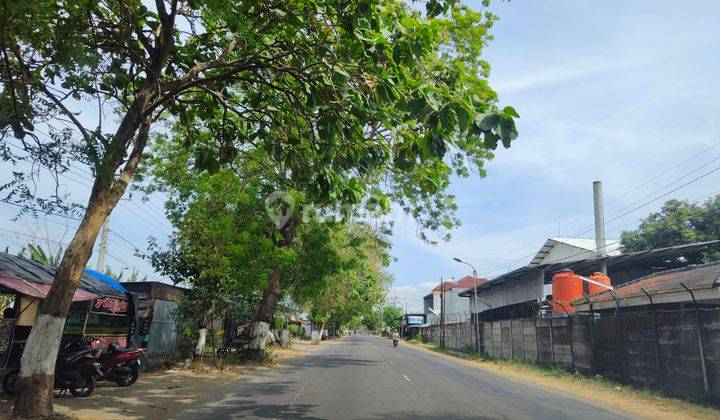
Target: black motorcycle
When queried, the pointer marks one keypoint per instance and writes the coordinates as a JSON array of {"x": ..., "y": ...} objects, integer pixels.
[{"x": 76, "y": 371}]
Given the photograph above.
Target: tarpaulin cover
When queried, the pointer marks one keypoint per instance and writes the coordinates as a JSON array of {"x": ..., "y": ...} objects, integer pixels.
[
  {"x": 40, "y": 290},
  {"x": 107, "y": 279},
  {"x": 27, "y": 269}
]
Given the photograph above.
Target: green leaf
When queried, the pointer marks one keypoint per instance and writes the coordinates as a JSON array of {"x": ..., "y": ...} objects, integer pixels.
[
  {"x": 448, "y": 118},
  {"x": 436, "y": 145},
  {"x": 491, "y": 140},
  {"x": 509, "y": 111},
  {"x": 487, "y": 121},
  {"x": 463, "y": 116},
  {"x": 507, "y": 132}
]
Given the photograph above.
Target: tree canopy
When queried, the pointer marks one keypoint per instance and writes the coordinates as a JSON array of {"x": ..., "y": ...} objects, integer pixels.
[
  {"x": 334, "y": 101},
  {"x": 678, "y": 222}
]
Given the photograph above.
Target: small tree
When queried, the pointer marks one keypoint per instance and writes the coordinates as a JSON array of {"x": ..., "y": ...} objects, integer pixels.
[{"x": 392, "y": 316}]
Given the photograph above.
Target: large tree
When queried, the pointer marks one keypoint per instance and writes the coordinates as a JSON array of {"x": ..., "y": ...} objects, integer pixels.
[
  {"x": 677, "y": 223},
  {"x": 349, "y": 82},
  {"x": 423, "y": 114}
]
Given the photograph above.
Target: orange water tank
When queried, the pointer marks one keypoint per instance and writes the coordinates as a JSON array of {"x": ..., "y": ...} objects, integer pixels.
[
  {"x": 600, "y": 278},
  {"x": 567, "y": 287}
]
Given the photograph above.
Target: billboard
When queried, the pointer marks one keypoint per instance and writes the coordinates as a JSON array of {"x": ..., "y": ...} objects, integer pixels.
[{"x": 415, "y": 320}]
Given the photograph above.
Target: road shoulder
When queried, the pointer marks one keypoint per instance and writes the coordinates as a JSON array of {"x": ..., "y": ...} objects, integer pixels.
[
  {"x": 637, "y": 403},
  {"x": 162, "y": 393}
]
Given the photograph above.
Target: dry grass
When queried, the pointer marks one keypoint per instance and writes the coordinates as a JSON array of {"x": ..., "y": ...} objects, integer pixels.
[
  {"x": 641, "y": 403},
  {"x": 164, "y": 392}
]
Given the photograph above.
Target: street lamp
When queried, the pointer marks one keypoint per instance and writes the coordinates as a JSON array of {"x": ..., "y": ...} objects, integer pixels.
[{"x": 477, "y": 316}]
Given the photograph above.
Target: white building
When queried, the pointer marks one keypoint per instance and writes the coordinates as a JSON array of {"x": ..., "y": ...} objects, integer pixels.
[
  {"x": 457, "y": 307},
  {"x": 556, "y": 250}
]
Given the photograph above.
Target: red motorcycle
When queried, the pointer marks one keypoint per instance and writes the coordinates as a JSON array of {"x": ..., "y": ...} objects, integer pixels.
[{"x": 117, "y": 364}]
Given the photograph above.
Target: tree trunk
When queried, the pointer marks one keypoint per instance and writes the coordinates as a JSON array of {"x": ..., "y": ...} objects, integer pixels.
[
  {"x": 37, "y": 365},
  {"x": 260, "y": 329},
  {"x": 200, "y": 346}
]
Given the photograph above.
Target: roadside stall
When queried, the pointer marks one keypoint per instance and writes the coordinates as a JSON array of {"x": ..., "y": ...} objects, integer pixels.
[{"x": 101, "y": 308}]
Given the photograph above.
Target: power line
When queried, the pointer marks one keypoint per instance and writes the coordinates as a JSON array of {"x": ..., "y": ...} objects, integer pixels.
[
  {"x": 505, "y": 264},
  {"x": 84, "y": 177},
  {"x": 133, "y": 246},
  {"x": 638, "y": 207},
  {"x": 75, "y": 219},
  {"x": 637, "y": 187}
]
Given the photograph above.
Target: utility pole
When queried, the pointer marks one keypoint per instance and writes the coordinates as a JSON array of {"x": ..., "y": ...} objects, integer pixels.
[
  {"x": 103, "y": 245},
  {"x": 442, "y": 314},
  {"x": 599, "y": 224},
  {"x": 475, "y": 306}
]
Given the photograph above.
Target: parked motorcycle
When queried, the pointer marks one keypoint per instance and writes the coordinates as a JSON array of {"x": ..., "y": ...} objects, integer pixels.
[
  {"x": 76, "y": 371},
  {"x": 117, "y": 364}
]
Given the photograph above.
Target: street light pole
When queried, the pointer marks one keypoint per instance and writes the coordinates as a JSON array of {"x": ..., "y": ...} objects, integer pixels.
[{"x": 477, "y": 313}]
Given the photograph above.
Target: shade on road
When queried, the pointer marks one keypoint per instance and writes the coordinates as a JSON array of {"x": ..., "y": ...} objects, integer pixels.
[{"x": 363, "y": 377}]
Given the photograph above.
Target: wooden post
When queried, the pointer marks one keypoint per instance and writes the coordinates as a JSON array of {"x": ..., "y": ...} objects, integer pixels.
[
  {"x": 522, "y": 337},
  {"x": 622, "y": 340},
  {"x": 537, "y": 342},
  {"x": 658, "y": 363},
  {"x": 593, "y": 366},
  {"x": 698, "y": 332},
  {"x": 552, "y": 345},
  {"x": 512, "y": 353},
  {"x": 570, "y": 338}
]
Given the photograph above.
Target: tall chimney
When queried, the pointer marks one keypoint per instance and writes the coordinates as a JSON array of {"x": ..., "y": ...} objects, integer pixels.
[{"x": 600, "y": 249}]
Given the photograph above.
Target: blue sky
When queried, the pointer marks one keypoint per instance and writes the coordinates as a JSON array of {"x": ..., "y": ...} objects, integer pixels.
[{"x": 618, "y": 91}]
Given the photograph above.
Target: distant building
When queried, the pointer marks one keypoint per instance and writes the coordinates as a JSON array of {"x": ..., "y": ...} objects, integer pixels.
[
  {"x": 571, "y": 249},
  {"x": 517, "y": 294},
  {"x": 456, "y": 306}
]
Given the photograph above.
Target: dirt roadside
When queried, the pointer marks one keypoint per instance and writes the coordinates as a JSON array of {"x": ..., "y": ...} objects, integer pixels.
[
  {"x": 158, "y": 394},
  {"x": 634, "y": 402}
]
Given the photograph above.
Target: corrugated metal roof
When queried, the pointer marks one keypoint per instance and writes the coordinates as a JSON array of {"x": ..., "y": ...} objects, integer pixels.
[
  {"x": 694, "y": 277},
  {"x": 27, "y": 269},
  {"x": 40, "y": 290},
  {"x": 612, "y": 247},
  {"x": 591, "y": 263}
]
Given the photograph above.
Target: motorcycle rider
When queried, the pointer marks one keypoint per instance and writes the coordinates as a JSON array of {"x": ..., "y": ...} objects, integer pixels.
[{"x": 395, "y": 338}]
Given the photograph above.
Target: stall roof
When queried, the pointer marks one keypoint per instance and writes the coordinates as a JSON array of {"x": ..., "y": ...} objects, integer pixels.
[
  {"x": 27, "y": 269},
  {"x": 40, "y": 290},
  {"x": 590, "y": 263}
]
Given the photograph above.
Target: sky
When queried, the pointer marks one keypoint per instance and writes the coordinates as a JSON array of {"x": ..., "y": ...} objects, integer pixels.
[
  {"x": 616, "y": 91},
  {"x": 619, "y": 91}
]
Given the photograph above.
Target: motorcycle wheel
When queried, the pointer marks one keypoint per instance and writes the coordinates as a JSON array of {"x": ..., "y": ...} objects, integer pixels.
[
  {"x": 131, "y": 378},
  {"x": 10, "y": 381},
  {"x": 86, "y": 389},
  {"x": 222, "y": 352}
]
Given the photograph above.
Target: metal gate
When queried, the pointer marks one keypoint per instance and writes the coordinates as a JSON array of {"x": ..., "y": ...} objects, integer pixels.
[{"x": 163, "y": 328}]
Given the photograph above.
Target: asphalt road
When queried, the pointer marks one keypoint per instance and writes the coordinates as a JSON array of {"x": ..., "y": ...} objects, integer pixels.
[{"x": 361, "y": 377}]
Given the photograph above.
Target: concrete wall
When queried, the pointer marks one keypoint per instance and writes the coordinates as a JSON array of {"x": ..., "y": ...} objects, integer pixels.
[{"x": 658, "y": 351}]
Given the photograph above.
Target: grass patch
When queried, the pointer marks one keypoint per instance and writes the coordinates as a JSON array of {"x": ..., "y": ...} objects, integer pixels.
[{"x": 644, "y": 402}]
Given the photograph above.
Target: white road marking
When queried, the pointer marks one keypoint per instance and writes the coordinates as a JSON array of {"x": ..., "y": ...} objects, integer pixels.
[
  {"x": 407, "y": 379},
  {"x": 391, "y": 362}
]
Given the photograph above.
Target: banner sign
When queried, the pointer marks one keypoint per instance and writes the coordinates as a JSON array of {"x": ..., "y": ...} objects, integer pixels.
[
  {"x": 415, "y": 320},
  {"x": 110, "y": 305}
]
